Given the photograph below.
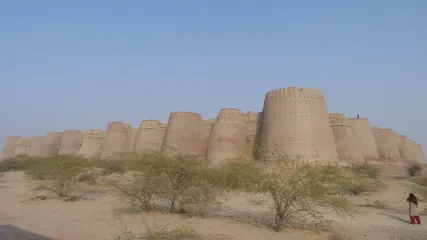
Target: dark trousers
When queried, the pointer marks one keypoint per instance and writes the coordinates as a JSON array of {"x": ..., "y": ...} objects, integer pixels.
[{"x": 415, "y": 218}]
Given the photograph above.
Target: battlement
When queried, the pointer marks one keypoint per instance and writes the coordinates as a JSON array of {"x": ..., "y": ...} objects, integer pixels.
[
  {"x": 149, "y": 124},
  {"x": 252, "y": 117},
  {"x": 185, "y": 114},
  {"x": 231, "y": 115},
  {"x": 98, "y": 133},
  {"x": 119, "y": 127},
  {"x": 338, "y": 119},
  {"x": 294, "y": 91},
  {"x": 208, "y": 122}
]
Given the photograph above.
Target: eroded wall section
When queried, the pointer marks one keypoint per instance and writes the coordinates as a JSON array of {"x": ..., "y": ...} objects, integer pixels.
[
  {"x": 407, "y": 149},
  {"x": 347, "y": 144},
  {"x": 387, "y": 142},
  {"x": 228, "y": 136},
  {"x": 71, "y": 142},
  {"x": 183, "y": 134},
  {"x": 296, "y": 122},
  {"x": 92, "y": 143},
  {"x": 362, "y": 131},
  {"x": 9, "y": 147}
]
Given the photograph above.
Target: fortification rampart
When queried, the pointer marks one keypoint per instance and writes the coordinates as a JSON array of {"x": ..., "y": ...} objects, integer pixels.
[
  {"x": 149, "y": 137},
  {"x": 116, "y": 139},
  {"x": 407, "y": 149},
  {"x": 183, "y": 134},
  {"x": 9, "y": 147},
  {"x": 36, "y": 149},
  {"x": 51, "y": 144},
  {"x": 71, "y": 142},
  {"x": 92, "y": 143},
  {"x": 387, "y": 144},
  {"x": 23, "y": 146},
  {"x": 365, "y": 138},
  {"x": 228, "y": 136},
  {"x": 296, "y": 122},
  {"x": 347, "y": 145},
  {"x": 420, "y": 153}
]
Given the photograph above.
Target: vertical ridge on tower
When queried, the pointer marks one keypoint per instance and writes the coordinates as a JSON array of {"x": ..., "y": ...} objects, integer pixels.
[{"x": 92, "y": 143}]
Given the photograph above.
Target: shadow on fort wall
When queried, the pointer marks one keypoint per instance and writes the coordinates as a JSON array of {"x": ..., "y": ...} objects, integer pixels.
[{"x": 9, "y": 232}]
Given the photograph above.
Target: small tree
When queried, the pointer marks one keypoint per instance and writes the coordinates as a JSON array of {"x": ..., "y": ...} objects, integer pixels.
[
  {"x": 60, "y": 171},
  {"x": 415, "y": 170},
  {"x": 301, "y": 191}
]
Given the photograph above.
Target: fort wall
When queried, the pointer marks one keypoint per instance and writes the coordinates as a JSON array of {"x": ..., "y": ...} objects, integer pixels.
[
  {"x": 365, "y": 138},
  {"x": 228, "y": 136},
  {"x": 387, "y": 143},
  {"x": 296, "y": 122},
  {"x": 36, "y": 149},
  {"x": 183, "y": 134},
  {"x": 420, "y": 153},
  {"x": 51, "y": 144},
  {"x": 116, "y": 139},
  {"x": 348, "y": 147},
  {"x": 71, "y": 142},
  {"x": 9, "y": 147},
  {"x": 92, "y": 143},
  {"x": 149, "y": 137},
  {"x": 23, "y": 146}
]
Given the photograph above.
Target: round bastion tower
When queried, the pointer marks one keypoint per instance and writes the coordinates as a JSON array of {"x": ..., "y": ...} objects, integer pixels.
[
  {"x": 228, "y": 136},
  {"x": 116, "y": 140},
  {"x": 361, "y": 129},
  {"x": 295, "y": 122},
  {"x": 92, "y": 143},
  {"x": 183, "y": 134},
  {"x": 347, "y": 145},
  {"x": 23, "y": 146},
  {"x": 149, "y": 137}
]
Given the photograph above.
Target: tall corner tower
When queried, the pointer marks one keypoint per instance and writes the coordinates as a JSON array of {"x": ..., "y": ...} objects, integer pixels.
[{"x": 296, "y": 123}]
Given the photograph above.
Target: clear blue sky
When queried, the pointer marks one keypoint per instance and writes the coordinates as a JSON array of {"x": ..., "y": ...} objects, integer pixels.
[{"x": 81, "y": 64}]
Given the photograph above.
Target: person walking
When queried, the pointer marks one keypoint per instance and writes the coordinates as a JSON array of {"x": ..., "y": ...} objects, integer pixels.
[{"x": 414, "y": 211}]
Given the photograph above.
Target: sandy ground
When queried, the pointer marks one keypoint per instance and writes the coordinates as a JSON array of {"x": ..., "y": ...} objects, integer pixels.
[{"x": 104, "y": 216}]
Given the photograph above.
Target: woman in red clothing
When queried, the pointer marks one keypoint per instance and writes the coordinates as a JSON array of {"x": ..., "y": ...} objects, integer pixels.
[{"x": 414, "y": 212}]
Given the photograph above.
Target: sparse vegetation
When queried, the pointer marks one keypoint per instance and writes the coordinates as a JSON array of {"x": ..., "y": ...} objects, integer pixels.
[
  {"x": 110, "y": 166},
  {"x": 376, "y": 204},
  {"x": 299, "y": 192},
  {"x": 179, "y": 181},
  {"x": 339, "y": 236},
  {"x": 180, "y": 233},
  {"x": 415, "y": 170},
  {"x": 365, "y": 170},
  {"x": 17, "y": 163},
  {"x": 60, "y": 171}
]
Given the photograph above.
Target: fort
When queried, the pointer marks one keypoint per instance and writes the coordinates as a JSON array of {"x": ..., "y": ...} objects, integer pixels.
[{"x": 293, "y": 120}]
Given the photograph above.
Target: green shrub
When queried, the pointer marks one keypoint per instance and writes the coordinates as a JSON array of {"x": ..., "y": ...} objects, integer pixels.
[
  {"x": 415, "y": 170},
  {"x": 89, "y": 177},
  {"x": 110, "y": 166},
  {"x": 60, "y": 171},
  {"x": 365, "y": 170},
  {"x": 179, "y": 180},
  {"x": 17, "y": 163},
  {"x": 298, "y": 192}
]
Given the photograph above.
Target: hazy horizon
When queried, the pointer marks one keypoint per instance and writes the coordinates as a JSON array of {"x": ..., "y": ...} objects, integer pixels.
[{"x": 82, "y": 64}]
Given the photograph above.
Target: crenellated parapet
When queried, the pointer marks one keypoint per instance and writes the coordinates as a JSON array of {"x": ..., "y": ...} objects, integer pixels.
[{"x": 150, "y": 136}]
